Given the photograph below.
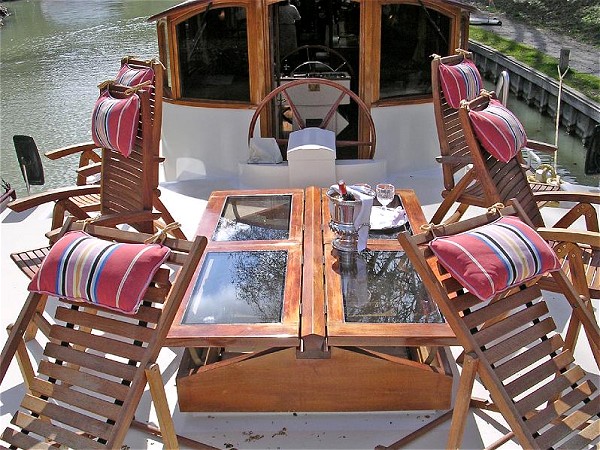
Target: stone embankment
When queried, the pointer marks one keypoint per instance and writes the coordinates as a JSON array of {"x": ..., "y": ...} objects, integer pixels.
[{"x": 579, "y": 114}]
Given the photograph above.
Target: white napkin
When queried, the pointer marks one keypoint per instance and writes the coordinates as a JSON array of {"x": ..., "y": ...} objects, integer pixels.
[
  {"x": 387, "y": 218},
  {"x": 362, "y": 216}
]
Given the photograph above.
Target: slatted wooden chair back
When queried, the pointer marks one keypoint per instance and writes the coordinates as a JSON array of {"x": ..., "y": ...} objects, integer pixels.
[
  {"x": 512, "y": 344},
  {"x": 127, "y": 182},
  {"x": 97, "y": 361},
  {"x": 454, "y": 152},
  {"x": 146, "y": 154},
  {"x": 502, "y": 182},
  {"x": 453, "y": 148},
  {"x": 156, "y": 106}
]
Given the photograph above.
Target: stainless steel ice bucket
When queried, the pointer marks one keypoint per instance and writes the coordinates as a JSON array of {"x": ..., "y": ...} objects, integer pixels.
[{"x": 342, "y": 219}]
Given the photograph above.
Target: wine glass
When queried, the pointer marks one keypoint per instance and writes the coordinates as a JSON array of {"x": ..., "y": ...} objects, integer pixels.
[{"x": 385, "y": 194}]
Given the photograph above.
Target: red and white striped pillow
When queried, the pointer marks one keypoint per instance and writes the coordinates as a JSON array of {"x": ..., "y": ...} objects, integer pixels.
[
  {"x": 130, "y": 75},
  {"x": 495, "y": 257},
  {"x": 499, "y": 131},
  {"x": 115, "y": 122},
  {"x": 460, "y": 81},
  {"x": 84, "y": 268}
]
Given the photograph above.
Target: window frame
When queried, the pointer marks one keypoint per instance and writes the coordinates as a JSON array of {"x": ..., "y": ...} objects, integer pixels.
[
  {"x": 259, "y": 53},
  {"x": 370, "y": 66}
]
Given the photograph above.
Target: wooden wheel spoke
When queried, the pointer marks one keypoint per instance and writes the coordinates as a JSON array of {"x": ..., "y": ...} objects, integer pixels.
[
  {"x": 332, "y": 110},
  {"x": 295, "y": 113}
]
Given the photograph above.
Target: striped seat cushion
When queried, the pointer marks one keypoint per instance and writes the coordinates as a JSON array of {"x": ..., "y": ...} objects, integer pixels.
[
  {"x": 130, "y": 75},
  {"x": 498, "y": 130},
  {"x": 460, "y": 82},
  {"x": 115, "y": 122},
  {"x": 81, "y": 267},
  {"x": 495, "y": 257}
]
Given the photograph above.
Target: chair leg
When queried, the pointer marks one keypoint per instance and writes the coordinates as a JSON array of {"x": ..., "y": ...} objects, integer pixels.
[
  {"x": 166, "y": 216},
  {"x": 17, "y": 332},
  {"x": 32, "y": 328},
  {"x": 574, "y": 255},
  {"x": 167, "y": 429},
  {"x": 447, "y": 203},
  {"x": 24, "y": 362},
  {"x": 462, "y": 401},
  {"x": 159, "y": 397}
]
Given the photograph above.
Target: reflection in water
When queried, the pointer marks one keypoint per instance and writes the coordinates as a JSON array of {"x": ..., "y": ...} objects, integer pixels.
[
  {"x": 53, "y": 55},
  {"x": 383, "y": 287},
  {"x": 254, "y": 217},
  {"x": 239, "y": 287}
]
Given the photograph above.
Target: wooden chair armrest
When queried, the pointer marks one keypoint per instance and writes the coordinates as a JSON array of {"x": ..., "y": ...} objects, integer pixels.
[
  {"x": 579, "y": 237},
  {"x": 567, "y": 196},
  {"x": 541, "y": 146},
  {"x": 112, "y": 220},
  {"x": 71, "y": 150},
  {"x": 90, "y": 169},
  {"x": 53, "y": 195},
  {"x": 464, "y": 160}
]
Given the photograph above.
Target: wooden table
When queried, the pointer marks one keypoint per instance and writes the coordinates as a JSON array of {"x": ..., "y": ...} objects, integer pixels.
[{"x": 277, "y": 320}]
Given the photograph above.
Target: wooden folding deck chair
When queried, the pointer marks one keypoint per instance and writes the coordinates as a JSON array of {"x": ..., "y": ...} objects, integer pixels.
[
  {"x": 504, "y": 181},
  {"x": 127, "y": 185},
  {"x": 510, "y": 342},
  {"x": 97, "y": 361},
  {"x": 461, "y": 184}
]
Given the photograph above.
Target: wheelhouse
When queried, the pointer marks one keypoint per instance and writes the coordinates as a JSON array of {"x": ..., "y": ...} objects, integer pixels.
[{"x": 224, "y": 56}]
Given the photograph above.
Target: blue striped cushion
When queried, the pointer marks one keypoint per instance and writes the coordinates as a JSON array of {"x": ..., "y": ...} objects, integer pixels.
[
  {"x": 495, "y": 257},
  {"x": 115, "y": 122},
  {"x": 130, "y": 75},
  {"x": 460, "y": 82},
  {"x": 498, "y": 130},
  {"x": 84, "y": 268}
]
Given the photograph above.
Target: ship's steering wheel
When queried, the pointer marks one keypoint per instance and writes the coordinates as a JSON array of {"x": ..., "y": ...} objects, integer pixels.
[
  {"x": 315, "y": 65},
  {"x": 366, "y": 146}
]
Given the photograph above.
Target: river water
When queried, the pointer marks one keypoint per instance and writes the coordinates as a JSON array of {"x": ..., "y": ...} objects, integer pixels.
[{"x": 54, "y": 53}]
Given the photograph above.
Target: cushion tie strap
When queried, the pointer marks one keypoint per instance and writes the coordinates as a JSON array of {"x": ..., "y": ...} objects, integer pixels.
[
  {"x": 130, "y": 90},
  {"x": 161, "y": 235},
  {"x": 105, "y": 84},
  {"x": 432, "y": 228},
  {"x": 495, "y": 208},
  {"x": 86, "y": 222},
  {"x": 137, "y": 87}
]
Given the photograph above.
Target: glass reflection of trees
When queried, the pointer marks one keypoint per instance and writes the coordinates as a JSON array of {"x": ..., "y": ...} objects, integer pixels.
[
  {"x": 260, "y": 218},
  {"x": 383, "y": 287},
  {"x": 259, "y": 281},
  {"x": 239, "y": 287}
]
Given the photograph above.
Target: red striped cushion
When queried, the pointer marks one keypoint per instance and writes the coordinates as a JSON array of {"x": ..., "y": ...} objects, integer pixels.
[
  {"x": 81, "y": 267},
  {"x": 115, "y": 122},
  {"x": 129, "y": 75},
  {"x": 495, "y": 257},
  {"x": 498, "y": 130},
  {"x": 460, "y": 82}
]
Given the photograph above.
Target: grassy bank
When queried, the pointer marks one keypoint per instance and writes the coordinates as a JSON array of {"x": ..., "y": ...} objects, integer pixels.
[
  {"x": 588, "y": 85},
  {"x": 577, "y": 19}
]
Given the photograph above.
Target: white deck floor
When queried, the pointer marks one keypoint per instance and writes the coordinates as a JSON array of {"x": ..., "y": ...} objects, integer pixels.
[{"x": 297, "y": 430}]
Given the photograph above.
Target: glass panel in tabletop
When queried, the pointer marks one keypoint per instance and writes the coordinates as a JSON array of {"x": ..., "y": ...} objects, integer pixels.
[{"x": 247, "y": 290}]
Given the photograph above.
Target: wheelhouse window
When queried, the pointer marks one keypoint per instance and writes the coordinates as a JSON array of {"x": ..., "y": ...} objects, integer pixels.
[
  {"x": 409, "y": 35},
  {"x": 213, "y": 55}
]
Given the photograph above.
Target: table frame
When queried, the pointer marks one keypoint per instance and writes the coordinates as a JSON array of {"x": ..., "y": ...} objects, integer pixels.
[{"x": 312, "y": 360}]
